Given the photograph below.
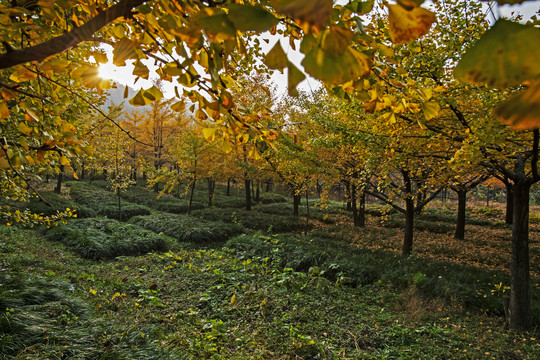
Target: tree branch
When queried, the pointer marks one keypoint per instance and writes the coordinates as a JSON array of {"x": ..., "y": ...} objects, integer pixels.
[{"x": 61, "y": 43}]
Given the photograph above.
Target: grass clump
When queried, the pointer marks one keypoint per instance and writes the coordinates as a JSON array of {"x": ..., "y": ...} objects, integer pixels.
[
  {"x": 104, "y": 202},
  {"x": 58, "y": 204},
  {"x": 188, "y": 228},
  {"x": 101, "y": 238},
  {"x": 254, "y": 220},
  {"x": 333, "y": 261},
  {"x": 473, "y": 288}
]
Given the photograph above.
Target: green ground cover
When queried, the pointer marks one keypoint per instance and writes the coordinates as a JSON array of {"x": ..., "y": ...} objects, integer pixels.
[{"x": 269, "y": 292}]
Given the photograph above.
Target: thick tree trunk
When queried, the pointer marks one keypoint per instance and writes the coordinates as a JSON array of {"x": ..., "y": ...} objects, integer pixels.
[
  {"x": 58, "y": 188},
  {"x": 247, "y": 184},
  {"x": 520, "y": 301},
  {"x": 462, "y": 203},
  {"x": 409, "y": 227},
  {"x": 296, "y": 203},
  {"x": 509, "y": 219}
]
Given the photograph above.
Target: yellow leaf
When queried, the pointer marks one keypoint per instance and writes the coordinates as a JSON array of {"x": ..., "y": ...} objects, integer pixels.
[
  {"x": 75, "y": 175},
  {"x": 139, "y": 99},
  {"x": 522, "y": 111},
  {"x": 22, "y": 74},
  {"x": 4, "y": 111},
  {"x": 407, "y": 25},
  {"x": 124, "y": 50},
  {"x": 209, "y": 133},
  {"x": 201, "y": 115},
  {"x": 141, "y": 70},
  {"x": 64, "y": 161},
  {"x": 92, "y": 291},
  {"x": 506, "y": 55},
  {"x": 24, "y": 129},
  {"x": 233, "y": 298},
  {"x": 431, "y": 109},
  {"x": 226, "y": 147},
  {"x": 178, "y": 106},
  {"x": 153, "y": 93}
]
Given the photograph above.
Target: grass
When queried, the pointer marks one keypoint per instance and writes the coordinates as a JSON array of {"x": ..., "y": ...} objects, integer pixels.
[
  {"x": 103, "y": 202},
  {"x": 58, "y": 204},
  {"x": 253, "y": 219},
  {"x": 186, "y": 228},
  {"x": 338, "y": 293},
  {"x": 223, "y": 304},
  {"x": 102, "y": 238}
]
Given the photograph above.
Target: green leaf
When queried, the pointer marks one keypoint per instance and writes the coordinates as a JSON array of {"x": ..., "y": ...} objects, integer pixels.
[
  {"x": 361, "y": 7},
  {"x": 336, "y": 40},
  {"x": 295, "y": 77},
  {"x": 506, "y": 55},
  {"x": 251, "y": 17},
  {"x": 307, "y": 12},
  {"x": 522, "y": 112},
  {"x": 407, "y": 25},
  {"x": 336, "y": 69},
  {"x": 276, "y": 58},
  {"x": 218, "y": 25},
  {"x": 431, "y": 109}
]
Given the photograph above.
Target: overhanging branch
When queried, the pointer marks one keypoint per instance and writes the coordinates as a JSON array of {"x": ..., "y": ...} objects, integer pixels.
[{"x": 61, "y": 43}]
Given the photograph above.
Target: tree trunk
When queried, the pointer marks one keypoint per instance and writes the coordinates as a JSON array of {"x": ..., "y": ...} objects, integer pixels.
[
  {"x": 362, "y": 208},
  {"x": 296, "y": 203},
  {"x": 354, "y": 206},
  {"x": 229, "y": 187},
  {"x": 119, "y": 205},
  {"x": 193, "y": 183},
  {"x": 211, "y": 188},
  {"x": 247, "y": 184},
  {"x": 83, "y": 171},
  {"x": 509, "y": 204},
  {"x": 409, "y": 216},
  {"x": 58, "y": 188},
  {"x": 307, "y": 212},
  {"x": 460, "y": 225},
  {"x": 348, "y": 195},
  {"x": 520, "y": 301},
  {"x": 258, "y": 192}
]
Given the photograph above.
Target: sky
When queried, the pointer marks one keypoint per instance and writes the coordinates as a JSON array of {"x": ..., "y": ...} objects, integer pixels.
[{"x": 124, "y": 75}]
